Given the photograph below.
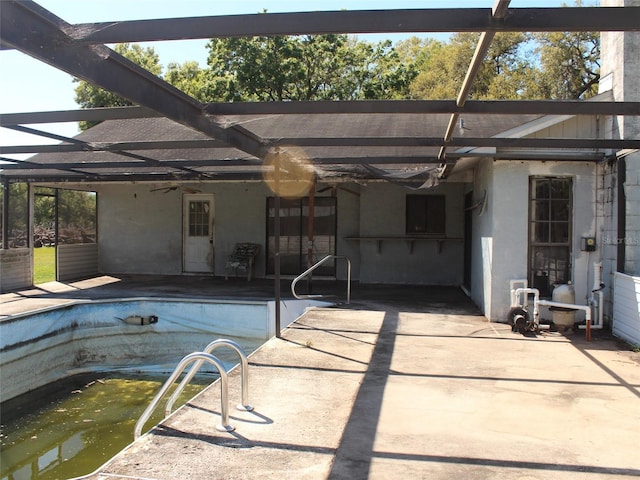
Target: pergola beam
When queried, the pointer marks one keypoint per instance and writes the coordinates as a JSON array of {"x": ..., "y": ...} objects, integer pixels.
[
  {"x": 360, "y": 22},
  {"x": 498, "y": 13},
  {"x": 38, "y": 33},
  {"x": 79, "y": 115},
  {"x": 191, "y": 166},
  {"x": 472, "y": 107},
  {"x": 328, "y": 142}
]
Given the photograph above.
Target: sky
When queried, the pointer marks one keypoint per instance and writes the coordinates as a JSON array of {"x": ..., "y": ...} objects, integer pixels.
[{"x": 27, "y": 85}]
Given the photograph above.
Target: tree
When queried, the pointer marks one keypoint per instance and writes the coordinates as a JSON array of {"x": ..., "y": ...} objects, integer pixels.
[
  {"x": 570, "y": 64},
  {"x": 341, "y": 67},
  {"x": 311, "y": 67},
  {"x": 92, "y": 96},
  {"x": 191, "y": 79},
  {"x": 443, "y": 67}
]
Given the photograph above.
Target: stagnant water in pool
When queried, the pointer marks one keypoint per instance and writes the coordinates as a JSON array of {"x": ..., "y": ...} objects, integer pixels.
[{"x": 71, "y": 428}]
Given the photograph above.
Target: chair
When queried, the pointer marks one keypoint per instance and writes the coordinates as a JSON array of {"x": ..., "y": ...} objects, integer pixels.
[{"x": 242, "y": 259}]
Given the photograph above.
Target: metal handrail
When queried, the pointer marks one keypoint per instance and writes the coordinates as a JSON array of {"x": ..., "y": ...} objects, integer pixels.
[
  {"x": 224, "y": 389},
  {"x": 244, "y": 373},
  {"x": 312, "y": 268}
]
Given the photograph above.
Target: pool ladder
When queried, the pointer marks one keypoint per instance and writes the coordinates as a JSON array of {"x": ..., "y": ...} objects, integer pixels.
[{"x": 197, "y": 359}]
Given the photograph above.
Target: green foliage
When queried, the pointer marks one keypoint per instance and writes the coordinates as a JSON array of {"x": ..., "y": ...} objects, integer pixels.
[
  {"x": 18, "y": 215},
  {"x": 191, "y": 79},
  {"x": 342, "y": 67},
  {"x": 505, "y": 73},
  {"x": 570, "y": 64},
  {"x": 311, "y": 67},
  {"x": 77, "y": 209},
  {"x": 92, "y": 96},
  {"x": 44, "y": 207}
]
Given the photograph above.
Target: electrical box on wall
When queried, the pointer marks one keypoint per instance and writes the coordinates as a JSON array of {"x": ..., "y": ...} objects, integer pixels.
[{"x": 588, "y": 244}]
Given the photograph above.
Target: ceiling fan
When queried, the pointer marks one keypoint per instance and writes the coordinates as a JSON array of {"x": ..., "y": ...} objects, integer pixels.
[{"x": 176, "y": 187}]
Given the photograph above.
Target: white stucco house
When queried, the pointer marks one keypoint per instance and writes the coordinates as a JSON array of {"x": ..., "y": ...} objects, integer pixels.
[{"x": 498, "y": 213}]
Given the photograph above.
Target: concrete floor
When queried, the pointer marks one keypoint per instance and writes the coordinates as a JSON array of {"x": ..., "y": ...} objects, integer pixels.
[{"x": 406, "y": 382}]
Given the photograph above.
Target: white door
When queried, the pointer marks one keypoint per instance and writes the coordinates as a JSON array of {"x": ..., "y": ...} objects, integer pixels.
[{"x": 198, "y": 233}]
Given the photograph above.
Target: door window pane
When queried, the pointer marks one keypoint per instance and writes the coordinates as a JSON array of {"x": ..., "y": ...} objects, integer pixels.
[{"x": 198, "y": 218}]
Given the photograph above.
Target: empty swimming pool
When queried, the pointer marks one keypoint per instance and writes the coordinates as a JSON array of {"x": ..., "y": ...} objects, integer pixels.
[
  {"x": 45, "y": 346},
  {"x": 127, "y": 348}
]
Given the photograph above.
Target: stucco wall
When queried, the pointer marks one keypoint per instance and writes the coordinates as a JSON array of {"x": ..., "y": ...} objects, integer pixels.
[
  {"x": 141, "y": 231},
  {"x": 482, "y": 238},
  {"x": 508, "y": 217},
  {"x": 431, "y": 263},
  {"x": 620, "y": 53}
]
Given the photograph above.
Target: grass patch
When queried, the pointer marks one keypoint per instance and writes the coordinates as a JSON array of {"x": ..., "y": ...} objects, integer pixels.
[{"x": 44, "y": 265}]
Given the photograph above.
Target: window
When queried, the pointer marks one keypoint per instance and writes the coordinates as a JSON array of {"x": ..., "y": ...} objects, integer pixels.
[
  {"x": 294, "y": 234},
  {"x": 550, "y": 218},
  {"x": 425, "y": 215},
  {"x": 199, "y": 218}
]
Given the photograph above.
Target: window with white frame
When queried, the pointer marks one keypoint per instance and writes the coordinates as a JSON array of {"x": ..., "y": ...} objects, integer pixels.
[{"x": 550, "y": 219}]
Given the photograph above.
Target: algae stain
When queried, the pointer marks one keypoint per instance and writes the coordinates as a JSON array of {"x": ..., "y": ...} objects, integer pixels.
[{"x": 73, "y": 430}]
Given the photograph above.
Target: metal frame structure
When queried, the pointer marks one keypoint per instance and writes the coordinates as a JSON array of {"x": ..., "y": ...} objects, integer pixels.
[{"x": 80, "y": 51}]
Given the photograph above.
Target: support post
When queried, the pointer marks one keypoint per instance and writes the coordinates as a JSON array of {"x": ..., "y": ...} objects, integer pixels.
[
  {"x": 276, "y": 256},
  {"x": 310, "y": 230},
  {"x": 5, "y": 213}
]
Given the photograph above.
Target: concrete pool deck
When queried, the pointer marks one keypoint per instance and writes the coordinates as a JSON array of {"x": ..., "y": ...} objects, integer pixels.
[{"x": 408, "y": 382}]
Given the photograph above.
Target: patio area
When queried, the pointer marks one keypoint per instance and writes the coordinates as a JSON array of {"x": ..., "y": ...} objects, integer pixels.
[{"x": 405, "y": 382}]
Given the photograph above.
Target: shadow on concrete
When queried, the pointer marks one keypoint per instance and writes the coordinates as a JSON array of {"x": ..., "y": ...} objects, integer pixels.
[{"x": 360, "y": 431}]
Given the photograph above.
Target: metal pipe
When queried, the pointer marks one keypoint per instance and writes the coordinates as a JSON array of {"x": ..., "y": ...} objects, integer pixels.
[
  {"x": 244, "y": 374},
  {"x": 224, "y": 426}
]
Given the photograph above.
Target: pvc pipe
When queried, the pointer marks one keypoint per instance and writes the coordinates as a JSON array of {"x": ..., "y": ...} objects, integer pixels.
[
  {"x": 512, "y": 289},
  {"x": 585, "y": 308},
  {"x": 536, "y": 300},
  {"x": 597, "y": 275}
]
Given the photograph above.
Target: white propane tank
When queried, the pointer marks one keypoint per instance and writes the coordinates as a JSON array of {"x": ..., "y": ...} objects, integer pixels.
[{"x": 562, "y": 317}]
